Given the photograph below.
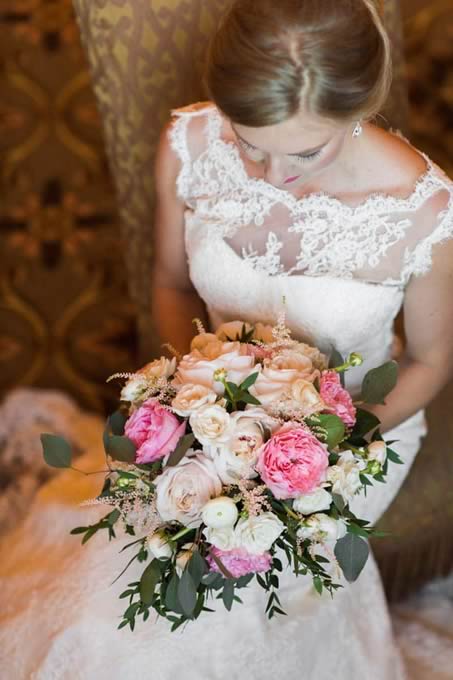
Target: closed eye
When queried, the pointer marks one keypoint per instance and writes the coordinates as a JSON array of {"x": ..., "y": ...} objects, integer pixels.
[{"x": 304, "y": 158}]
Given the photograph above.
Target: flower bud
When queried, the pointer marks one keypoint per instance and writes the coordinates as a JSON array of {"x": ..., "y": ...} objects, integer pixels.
[
  {"x": 220, "y": 375},
  {"x": 373, "y": 468},
  {"x": 158, "y": 544},
  {"x": 377, "y": 451},
  {"x": 355, "y": 359}
]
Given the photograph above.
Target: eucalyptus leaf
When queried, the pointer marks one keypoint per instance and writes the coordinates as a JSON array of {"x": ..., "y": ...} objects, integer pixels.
[
  {"x": 335, "y": 429},
  {"x": 228, "y": 594},
  {"x": 365, "y": 422},
  {"x": 187, "y": 593},
  {"x": 339, "y": 502},
  {"x": 197, "y": 568},
  {"x": 117, "y": 422},
  {"x": 335, "y": 360},
  {"x": 121, "y": 448},
  {"x": 171, "y": 596},
  {"x": 379, "y": 382},
  {"x": 149, "y": 581},
  {"x": 352, "y": 553},
  {"x": 182, "y": 447},
  {"x": 56, "y": 450}
]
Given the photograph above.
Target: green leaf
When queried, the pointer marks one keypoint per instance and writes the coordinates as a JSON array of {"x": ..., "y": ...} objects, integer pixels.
[
  {"x": 339, "y": 502},
  {"x": 149, "y": 581},
  {"x": 365, "y": 422},
  {"x": 243, "y": 581},
  {"x": 249, "y": 399},
  {"x": 352, "y": 553},
  {"x": 197, "y": 568},
  {"x": 394, "y": 457},
  {"x": 117, "y": 422},
  {"x": 248, "y": 382},
  {"x": 335, "y": 359},
  {"x": 187, "y": 593},
  {"x": 121, "y": 448},
  {"x": 379, "y": 382},
  {"x": 57, "y": 451},
  {"x": 171, "y": 596},
  {"x": 113, "y": 517},
  {"x": 317, "y": 582},
  {"x": 182, "y": 447},
  {"x": 228, "y": 594},
  {"x": 357, "y": 530},
  {"x": 335, "y": 429}
]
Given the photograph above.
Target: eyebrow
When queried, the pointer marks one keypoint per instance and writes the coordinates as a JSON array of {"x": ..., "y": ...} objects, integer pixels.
[{"x": 306, "y": 152}]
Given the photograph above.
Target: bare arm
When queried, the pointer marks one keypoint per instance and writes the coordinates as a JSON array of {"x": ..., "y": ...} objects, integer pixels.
[
  {"x": 174, "y": 299},
  {"x": 428, "y": 360}
]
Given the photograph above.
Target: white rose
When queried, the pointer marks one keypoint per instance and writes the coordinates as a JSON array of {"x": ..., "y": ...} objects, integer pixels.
[
  {"x": 258, "y": 534},
  {"x": 198, "y": 368},
  {"x": 192, "y": 397},
  {"x": 140, "y": 381},
  {"x": 159, "y": 546},
  {"x": 211, "y": 424},
  {"x": 223, "y": 539},
  {"x": 313, "y": 502},
  {"x": 183, "y": 557},
  {"x": 377, "y": 451},
  {"x": 321, "y": 528},
  {"x": 220, "y": 513},
  {"x": 345, "y": 475},
  {"x": 307, "y": 397},
  {"x": 237, "y": 457},
  {"x": 232, "y": 330},
  {"x": 183, "y": 490}
]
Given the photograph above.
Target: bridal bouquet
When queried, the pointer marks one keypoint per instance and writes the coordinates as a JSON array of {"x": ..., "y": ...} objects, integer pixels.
[{"x": 223, "y": 463}]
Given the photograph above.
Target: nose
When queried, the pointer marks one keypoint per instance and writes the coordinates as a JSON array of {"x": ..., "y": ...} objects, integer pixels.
[{"x": 273, "y": 170}]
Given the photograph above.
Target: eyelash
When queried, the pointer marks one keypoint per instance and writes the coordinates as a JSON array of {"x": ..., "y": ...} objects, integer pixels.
[{"x": 303, "y": 159}]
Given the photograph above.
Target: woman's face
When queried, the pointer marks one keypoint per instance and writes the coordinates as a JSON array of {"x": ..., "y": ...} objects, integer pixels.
[{"x": 293, "y": 152}]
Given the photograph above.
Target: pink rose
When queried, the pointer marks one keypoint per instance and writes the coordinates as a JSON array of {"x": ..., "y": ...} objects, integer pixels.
[
  {"x": 337, "y": 399},
  {"x": 239, "y": 562},
  {"x": 293, "y": 462},
  {"x": 154, "y": 431}
]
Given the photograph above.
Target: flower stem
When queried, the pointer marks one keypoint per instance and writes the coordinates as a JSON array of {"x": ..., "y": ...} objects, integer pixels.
[{"x": 180, "y": 534}]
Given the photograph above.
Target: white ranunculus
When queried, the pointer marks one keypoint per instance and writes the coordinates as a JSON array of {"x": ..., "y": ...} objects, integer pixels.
[
  {"x": 211, "y": 424},
  {"x": 321, "y": 528},
  {"x": 236, "y": 458},
  {"x": 223, "y": 539},
  {"x": 345, "y": 475},
  {"x": 316, "y": 501},
  {"x": 159, "y": 546},
  {"x": 182, "y": 491},
  {"x": 191, "y": 398},
  {"x": 377, "y": 451},
  {"x": 258, "y": 534},
  {"x": 220, "y": 513}
]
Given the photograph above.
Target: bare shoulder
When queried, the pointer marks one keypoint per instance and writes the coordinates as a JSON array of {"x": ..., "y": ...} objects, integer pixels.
[{"x": 395, "y": 164}]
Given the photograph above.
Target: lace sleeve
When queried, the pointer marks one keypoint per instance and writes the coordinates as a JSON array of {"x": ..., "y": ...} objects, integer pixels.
[{"x": 418, "y": 260}]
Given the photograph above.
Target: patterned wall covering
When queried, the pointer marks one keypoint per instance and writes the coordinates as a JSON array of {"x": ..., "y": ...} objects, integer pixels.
[{"x": 65, "y": 317}]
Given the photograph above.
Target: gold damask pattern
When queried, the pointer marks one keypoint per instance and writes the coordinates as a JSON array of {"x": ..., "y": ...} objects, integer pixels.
[
  {"x": 146, "y": 58},
  {"x": 64, "y": 308}
]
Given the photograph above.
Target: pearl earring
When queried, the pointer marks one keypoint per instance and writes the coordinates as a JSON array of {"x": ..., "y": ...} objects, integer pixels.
[{"x": 358, "y": 129}]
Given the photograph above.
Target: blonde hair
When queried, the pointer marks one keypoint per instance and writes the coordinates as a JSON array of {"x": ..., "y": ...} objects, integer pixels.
[{"x": 271, "y": 59}]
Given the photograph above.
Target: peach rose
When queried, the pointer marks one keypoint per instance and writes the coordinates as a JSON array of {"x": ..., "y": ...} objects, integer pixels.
[
  {"x": 190, "y": 398},
  {"x": 278, "y": 375},
  {"x": 196, "y": 369}
]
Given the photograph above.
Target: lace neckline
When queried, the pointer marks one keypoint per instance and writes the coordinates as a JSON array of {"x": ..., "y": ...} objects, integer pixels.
[{"x": 376, "y": 199}]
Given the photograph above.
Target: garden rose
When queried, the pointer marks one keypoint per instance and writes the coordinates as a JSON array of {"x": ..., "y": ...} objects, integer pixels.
[
  {"x": 137, "y": 385},
  {"x": 182, "y": 491},
  {"x": 293, "y": 462},
  {"x": 313, "y": 502},
  {"x": 237, "y": 457},
  {"x": 345, "y": 475},
  {"x": 337, "y": 398},
  {"x": 220, "y": 513},
  {"x": 306, "y": 397},
  {"x": 239, "y": 562},
  {"x": 278, "y": 375},
  {"x": 198, "y": 368},
  {"x": 257, "y": 534},
  {"x": 154, "y": 431},
  {"x": 321, "y": 528},
  {"x": 211, "y": 424},
  {"x": 192, "y": 397}
]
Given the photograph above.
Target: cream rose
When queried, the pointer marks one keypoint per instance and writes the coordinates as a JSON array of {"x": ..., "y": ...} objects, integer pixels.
[
  {"x": 190, "y": 398},
  {"x": 258, "y": 534},
  {"x": 159, "y": 546},
  {"x": 307, "y": 397},
  {"x": 211, "y": 424},
  {"x": 318, "y": 359},
  {"x": 345, "y": 475},
  {"x": 236, "y": 458},
  {"x": 183, "y": 491},
  {"x": 220, "y": 513},
  {"x": 321, "y": 528},
  {"x": 377, "y": 451},
  {"x": 313, "y": 502}
]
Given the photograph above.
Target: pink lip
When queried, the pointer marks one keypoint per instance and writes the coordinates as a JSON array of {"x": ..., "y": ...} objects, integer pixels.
[{"x": 291, "y": 179}]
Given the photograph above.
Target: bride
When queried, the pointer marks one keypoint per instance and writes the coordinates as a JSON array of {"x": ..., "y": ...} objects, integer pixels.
[{"x": 279, "y": 193}]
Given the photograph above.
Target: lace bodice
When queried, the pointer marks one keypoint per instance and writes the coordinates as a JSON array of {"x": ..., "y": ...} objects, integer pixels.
[{"x": 341, "y": 269}]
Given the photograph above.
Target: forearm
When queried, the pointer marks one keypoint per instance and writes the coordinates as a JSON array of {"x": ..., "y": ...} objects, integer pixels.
[
  {"x": 418, "y": 383},
  {"x": 173, "y": 312}
]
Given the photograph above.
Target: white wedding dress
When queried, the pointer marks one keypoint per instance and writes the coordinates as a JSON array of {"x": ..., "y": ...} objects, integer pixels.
[{"x": 339, "y": 272}]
